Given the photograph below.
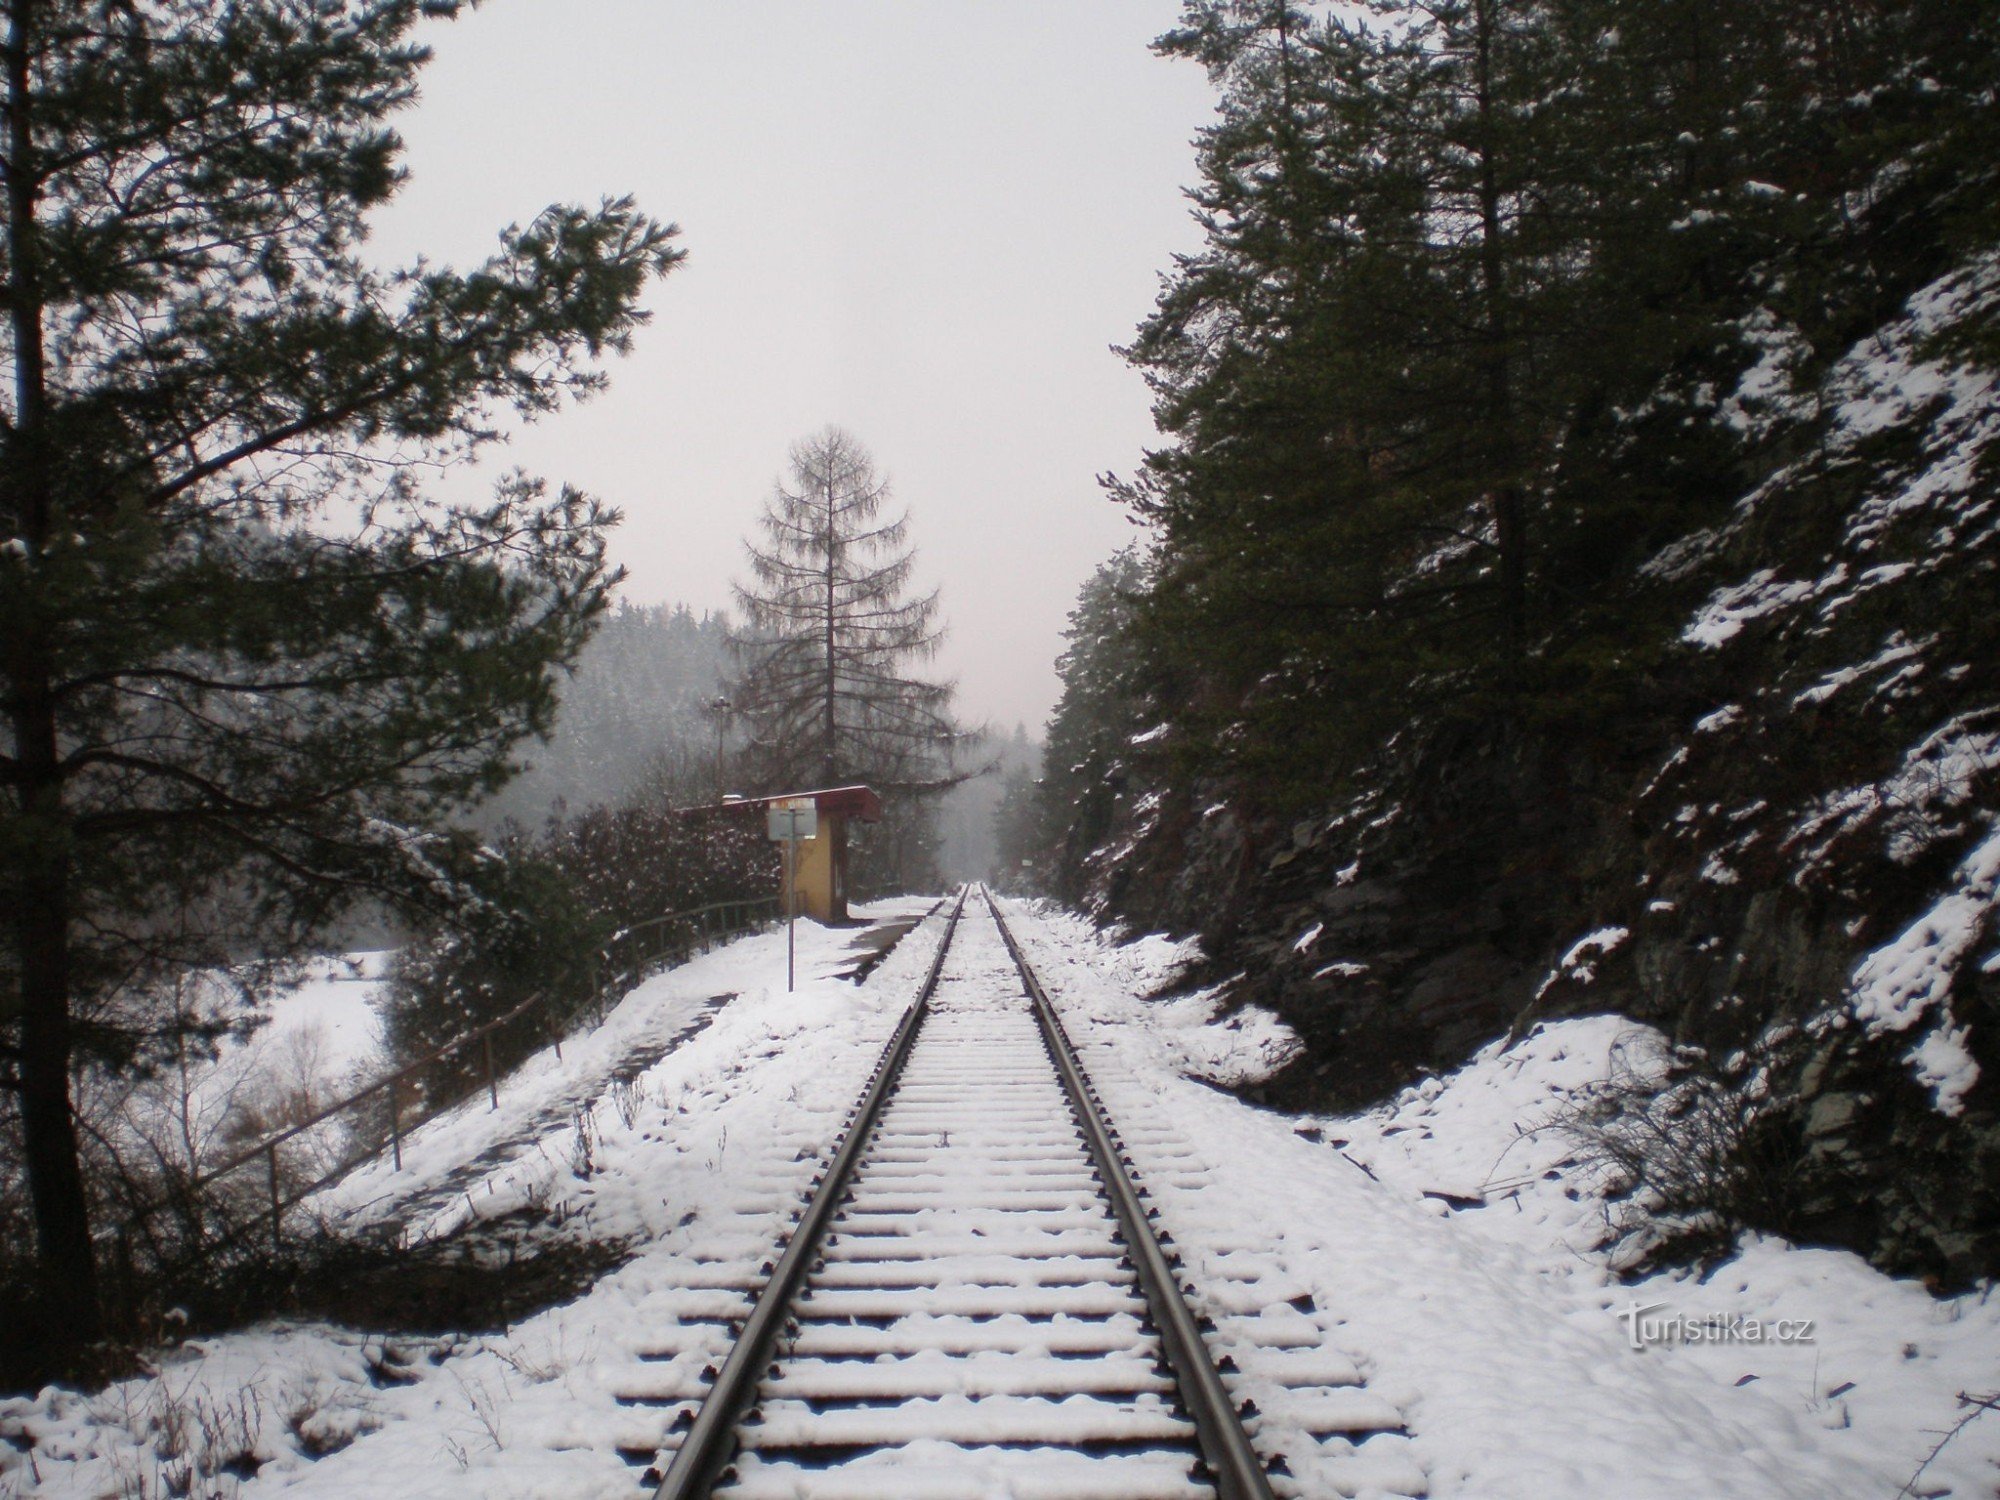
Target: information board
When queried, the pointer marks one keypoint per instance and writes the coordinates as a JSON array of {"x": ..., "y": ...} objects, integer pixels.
[{"x": 793, "y": 818}]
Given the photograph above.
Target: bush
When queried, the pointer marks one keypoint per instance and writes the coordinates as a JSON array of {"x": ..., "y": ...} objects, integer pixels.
[
  {"x": 543, "y": 913},
  {"x": 485, "y": 1277},
  {"x": 634, "y": 863},
  {"x": 529, "y": 930},
  {"x": 1685, "y": 1157}
]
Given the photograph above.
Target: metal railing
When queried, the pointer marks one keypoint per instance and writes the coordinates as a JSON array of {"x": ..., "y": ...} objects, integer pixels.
[
  {"x": 626, "y": 957},
  {"x": 677, "y": 933}
]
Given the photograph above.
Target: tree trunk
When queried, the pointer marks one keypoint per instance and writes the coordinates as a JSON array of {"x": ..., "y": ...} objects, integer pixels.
[
  {"x": 830, "y": 772},
  {"x": 1509, "y": 503},
  {"x": 42, "y": 921},
  {"x": 48, "y": 1124}
]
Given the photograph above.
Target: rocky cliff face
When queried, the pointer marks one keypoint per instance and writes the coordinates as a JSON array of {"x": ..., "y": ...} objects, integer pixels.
[{"x": 1785, "y": 852}]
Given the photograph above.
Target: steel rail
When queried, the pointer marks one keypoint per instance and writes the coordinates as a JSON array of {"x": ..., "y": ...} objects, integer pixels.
[
  {"x": 711, "y": 1442},
  {"x": 1233, "y": 1463}
]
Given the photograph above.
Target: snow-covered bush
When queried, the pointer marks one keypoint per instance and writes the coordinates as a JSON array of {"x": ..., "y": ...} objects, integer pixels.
[
  {"x": 1685, "y": 1158},
  {"x": 547, "y": 919}
]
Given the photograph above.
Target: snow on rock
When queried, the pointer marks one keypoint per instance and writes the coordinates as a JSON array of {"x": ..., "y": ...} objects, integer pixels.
[
  {"x": 1909, "y": 979},
  {"x": 1903, "y": 981},
  {"x": 1579, "y": 965},
  {"x": 1716, "y": 871},
  {"x": 1943, "y": 1064},
  {"x": 1340, "y": 969},
  {"x": 1762, "y": 593},
  {"x": 1914, "y": 802},
  {"x": 1766, "y": 397},
  {"x": 1898, "y": 649},
  {"x": 1233, "y": 1051},
  {"x": 1898, "y": 379}
]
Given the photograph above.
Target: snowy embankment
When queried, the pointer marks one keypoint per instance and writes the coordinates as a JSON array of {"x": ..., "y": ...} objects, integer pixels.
[
  {"x": 1461, "y": 1244},
  {"x": 1444, "y": 1238},
  {"x": 476, "y": 1161},
  {"x": 713, "y": 1140}
]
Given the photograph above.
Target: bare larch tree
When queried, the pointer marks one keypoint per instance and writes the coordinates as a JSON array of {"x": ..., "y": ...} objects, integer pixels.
[{"x": 829, "y": 631}]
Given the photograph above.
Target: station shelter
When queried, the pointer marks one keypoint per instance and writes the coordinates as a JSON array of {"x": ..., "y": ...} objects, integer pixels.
[{"x": 819, "y": 873}]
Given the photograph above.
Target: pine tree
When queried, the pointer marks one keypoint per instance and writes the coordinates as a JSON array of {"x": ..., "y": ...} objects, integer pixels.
[
  {"x": 1398, "y": 478},
  {"x": 1477, "y": 274},
  {"x": 1105, "y": 673},
  {"x": 1295, "y": 372},
  {"x": 829, "y": 629},
  {"x": 246, "y": 663}
]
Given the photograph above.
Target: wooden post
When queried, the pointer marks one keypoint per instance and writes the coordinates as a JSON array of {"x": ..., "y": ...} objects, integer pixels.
[
  {"x": 396, "y": 1120},
  {"x": 492, "y": 1073}
]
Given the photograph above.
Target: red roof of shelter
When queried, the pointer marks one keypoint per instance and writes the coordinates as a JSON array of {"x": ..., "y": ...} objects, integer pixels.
[{"x": 847, "y": 801}]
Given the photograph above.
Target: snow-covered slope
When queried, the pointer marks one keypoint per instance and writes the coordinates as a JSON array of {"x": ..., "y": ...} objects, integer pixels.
[
  {"x": 669, "y": 1157},
  {"x": 1450, "y": 1243},
  {"x": 1762, "y": 813},
  {"x": 1462, "y": 1243}
]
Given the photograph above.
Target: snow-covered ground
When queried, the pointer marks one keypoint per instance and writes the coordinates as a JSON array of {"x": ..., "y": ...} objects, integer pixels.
[
  {"x": 714, "y": 1139},
  {"x": 325, "y": 1031},
  {"x": 335, "y": 1003},
  {"x": 314, "y": 1038},
  {"x": 1499, "y": 1328},
  {"x": 1494, "y": 1329}
]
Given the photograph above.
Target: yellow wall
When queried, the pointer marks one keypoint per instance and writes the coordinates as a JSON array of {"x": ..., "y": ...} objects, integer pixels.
[{"x": 814, "y": 879}]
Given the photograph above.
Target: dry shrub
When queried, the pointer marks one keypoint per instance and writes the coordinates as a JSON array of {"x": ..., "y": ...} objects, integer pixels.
[
  {"x": 194, "y": 1444},
  {"x": 1684, "y": 1157}
]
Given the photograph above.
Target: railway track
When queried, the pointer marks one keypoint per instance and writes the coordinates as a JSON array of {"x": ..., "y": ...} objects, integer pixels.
[{"x": 974, "y": 1301}]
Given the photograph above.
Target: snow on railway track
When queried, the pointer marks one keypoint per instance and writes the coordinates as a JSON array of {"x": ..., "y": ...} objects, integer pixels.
[
  {"x": 1339, "y": 1302},
  {"x": 974, "y": 1322},
  {"x": 970, "y": 1310}
]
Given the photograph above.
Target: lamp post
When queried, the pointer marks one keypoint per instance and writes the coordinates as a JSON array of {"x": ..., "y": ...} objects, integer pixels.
[{"x": 719, "y": 706}]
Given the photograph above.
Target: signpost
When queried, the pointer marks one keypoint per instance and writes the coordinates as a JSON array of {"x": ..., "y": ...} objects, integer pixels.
[{"x": 789, "y": 820}]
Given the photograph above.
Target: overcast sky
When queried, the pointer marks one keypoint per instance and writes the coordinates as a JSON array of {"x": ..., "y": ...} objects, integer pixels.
[{"x": 924, "y": 220}]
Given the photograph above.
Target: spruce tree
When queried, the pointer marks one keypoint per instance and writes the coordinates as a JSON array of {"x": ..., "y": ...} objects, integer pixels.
[
  {"x": 1398, "y": 474},
  {"x": 245, "y": 663}
]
